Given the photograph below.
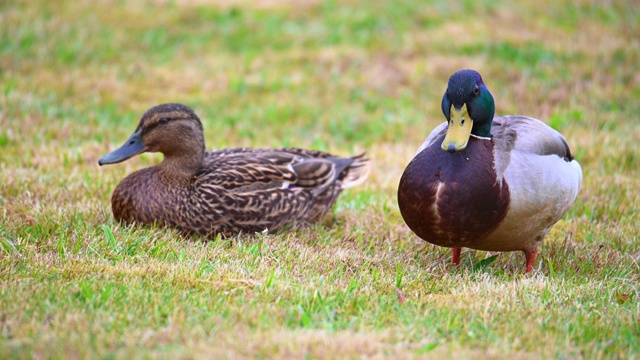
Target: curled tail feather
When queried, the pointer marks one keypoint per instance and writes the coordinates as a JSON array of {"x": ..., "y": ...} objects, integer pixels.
[{"x": 357, "y": 172}]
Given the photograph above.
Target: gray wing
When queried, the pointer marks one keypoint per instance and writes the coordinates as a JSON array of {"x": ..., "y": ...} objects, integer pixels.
[{"x": 529, "y": 135}]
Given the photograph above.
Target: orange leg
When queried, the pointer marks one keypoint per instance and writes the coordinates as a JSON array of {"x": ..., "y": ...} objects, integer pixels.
[
  {"x": 455, "y": 260},
  {"x": 530, "y": 257}
]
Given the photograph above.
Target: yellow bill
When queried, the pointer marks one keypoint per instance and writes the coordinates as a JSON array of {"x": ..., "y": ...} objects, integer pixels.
[{"x": 459, "y": 130}]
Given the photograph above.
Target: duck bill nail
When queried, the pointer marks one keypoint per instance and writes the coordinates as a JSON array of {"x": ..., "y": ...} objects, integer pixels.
[
  {"x": 459, "y": 130},
  {"x": 131, "y": 148}
]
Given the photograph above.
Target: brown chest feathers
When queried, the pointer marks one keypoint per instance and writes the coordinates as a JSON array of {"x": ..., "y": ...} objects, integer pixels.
[
  {"x": 146, "y": 197},
  {"x": 453, "y": 199}
]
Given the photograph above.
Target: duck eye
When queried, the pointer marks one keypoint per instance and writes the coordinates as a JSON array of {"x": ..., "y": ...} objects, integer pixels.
[
  {"x": 163, "y": 120},
  {"x": 476, "y": 91}
]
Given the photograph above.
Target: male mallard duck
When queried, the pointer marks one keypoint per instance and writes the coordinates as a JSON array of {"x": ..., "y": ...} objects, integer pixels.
[
  {"x": 485, "y": 183},
  {"x": 224, "y": 191}
]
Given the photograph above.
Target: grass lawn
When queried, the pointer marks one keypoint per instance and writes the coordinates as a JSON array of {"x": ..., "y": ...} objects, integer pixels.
[{"x": 342, "y": 76}]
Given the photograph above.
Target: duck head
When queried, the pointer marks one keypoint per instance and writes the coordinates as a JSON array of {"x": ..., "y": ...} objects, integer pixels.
[
  {"x": 172, "y": 129},
  {"x": 469, "y": 108}
]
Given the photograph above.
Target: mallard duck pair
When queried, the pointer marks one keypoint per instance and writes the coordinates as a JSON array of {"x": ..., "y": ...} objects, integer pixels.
[{"x": 480, "y": 182}]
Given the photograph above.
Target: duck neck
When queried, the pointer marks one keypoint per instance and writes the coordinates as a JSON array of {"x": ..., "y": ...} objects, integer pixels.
[
  {"x": 183, "y": 157},
  {"x": 181, "y": 166},
  {"x": 482, "y": 130},
  {"x": 181, "y": 163}
]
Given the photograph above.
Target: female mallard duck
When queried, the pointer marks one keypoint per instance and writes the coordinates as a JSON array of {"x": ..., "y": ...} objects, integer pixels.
[
  {"x": 485, "y": 183},
  {"x": 224, "y": 191}
]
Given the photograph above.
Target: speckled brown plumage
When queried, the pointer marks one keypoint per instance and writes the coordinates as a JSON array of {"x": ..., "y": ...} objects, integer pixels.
[{"x": 224, "y": 191}]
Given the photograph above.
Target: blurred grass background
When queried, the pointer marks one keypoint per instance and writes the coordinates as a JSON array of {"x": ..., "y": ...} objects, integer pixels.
[{"x": 341, "y": 76}]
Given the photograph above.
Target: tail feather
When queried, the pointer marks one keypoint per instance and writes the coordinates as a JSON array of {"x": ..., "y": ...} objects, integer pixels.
[{"x": 357, "y": 172}]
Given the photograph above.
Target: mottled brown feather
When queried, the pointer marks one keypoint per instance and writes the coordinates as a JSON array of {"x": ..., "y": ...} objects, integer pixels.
[{"x": 228, "y": 191}]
